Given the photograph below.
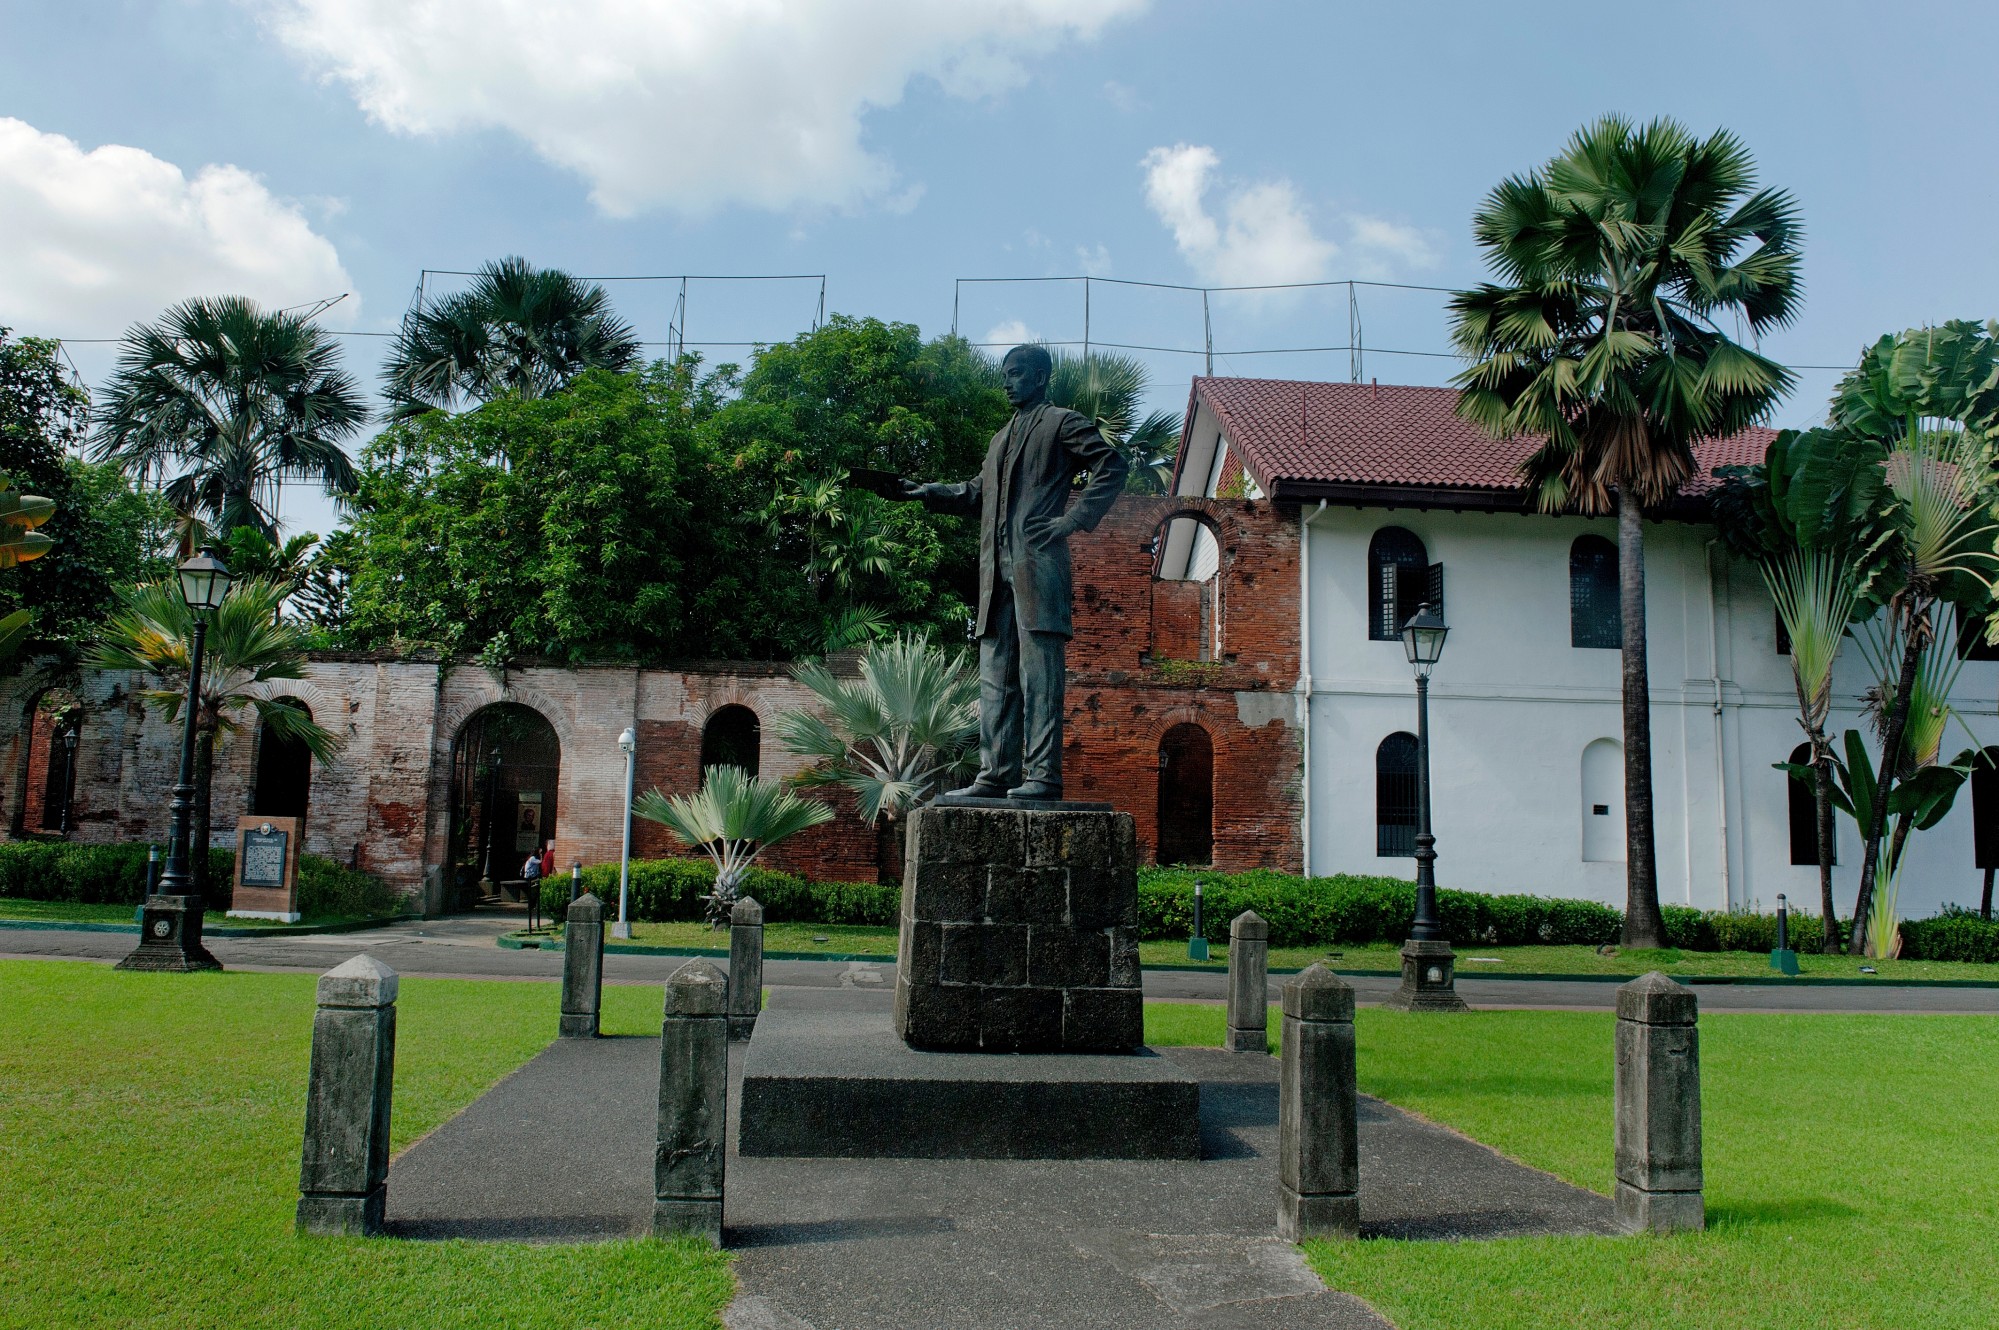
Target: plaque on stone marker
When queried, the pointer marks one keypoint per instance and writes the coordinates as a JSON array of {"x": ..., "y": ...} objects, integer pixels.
[{"x": 266, "y": 885}]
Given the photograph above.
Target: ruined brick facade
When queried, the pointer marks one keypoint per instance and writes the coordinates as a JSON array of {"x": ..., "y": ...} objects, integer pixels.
[{"x": 386, "y": 803}]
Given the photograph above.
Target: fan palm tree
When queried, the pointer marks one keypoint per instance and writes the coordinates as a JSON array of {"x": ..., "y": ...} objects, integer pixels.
[
  {"x": 1110, "y": 389},
  {"x": 248, "y": 648},
  {"x": 735, "y": 817},
  {"x": 891, "y": 736},
  {"x": 240, "y": 400},
  {"x": 1601, "y": 338},
  {"x": 517, "y": 329}
]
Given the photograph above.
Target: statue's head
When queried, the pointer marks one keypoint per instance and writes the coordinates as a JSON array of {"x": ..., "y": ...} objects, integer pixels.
[{"x": 1027, "y": 370}]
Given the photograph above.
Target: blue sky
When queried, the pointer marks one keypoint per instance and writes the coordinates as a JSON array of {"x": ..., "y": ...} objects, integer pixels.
[{"x": 294, "y": 149}]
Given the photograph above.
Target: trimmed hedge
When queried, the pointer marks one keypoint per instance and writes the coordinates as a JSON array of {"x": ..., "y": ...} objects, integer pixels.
[
  {"x": 1952, "y": 936},
  {"x": 116, "y": 875},
  {"x": 668, "y": 890}
]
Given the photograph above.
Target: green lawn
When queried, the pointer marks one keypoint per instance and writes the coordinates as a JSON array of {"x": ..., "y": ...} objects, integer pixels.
[
  {"x": 854, "y": 939},
  {"x": 1851, "y": 1162},
  {"x": 73, "y": 912},
  {"x": 149, "y": 1139}
]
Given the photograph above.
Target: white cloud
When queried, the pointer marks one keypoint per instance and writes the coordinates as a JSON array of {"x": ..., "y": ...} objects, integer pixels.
[
  {"x": 1264, "y": 234},
  {"x": 1094, "y": 261},
  {"x": 689, "y": 105},
  {"x": 98, "y": 240},
  {"x": 1124, "y": 97},
  {"x": 1005, "y": 336}
]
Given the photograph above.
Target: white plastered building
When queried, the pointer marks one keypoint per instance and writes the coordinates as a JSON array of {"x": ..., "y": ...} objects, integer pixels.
[{"x": 1400, "y": 499}]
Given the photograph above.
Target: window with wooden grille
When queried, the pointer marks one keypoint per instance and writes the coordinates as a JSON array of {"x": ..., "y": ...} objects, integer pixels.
[
  {"x": 1803, "y": 808},
  {"x": 1395, "y": 796},
  {"x": 1596, "y": 619},
  {"x": 1400, "y": 578}
]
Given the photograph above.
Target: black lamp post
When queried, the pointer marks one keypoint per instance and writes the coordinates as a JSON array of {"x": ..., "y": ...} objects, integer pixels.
[
  {"x": 1428, "y": 965},
  {"x": 170, "y": 922},
  {"x": 69, "y": 737}
]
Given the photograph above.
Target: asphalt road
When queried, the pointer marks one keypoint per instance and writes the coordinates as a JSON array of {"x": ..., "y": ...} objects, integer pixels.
[{"x": 464, "y": 948}]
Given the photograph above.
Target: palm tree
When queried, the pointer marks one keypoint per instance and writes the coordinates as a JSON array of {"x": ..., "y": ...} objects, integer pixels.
[
  {"x": 518, "y": 330},
  {"x": 1616, "y": 260},
  {"x": 1811, "y": 518},
  {"x": 1110, "y": 389},
  {"x": 735, "y": 817},
  {"x": 892, "y": 735},
  {"x": 1930, "y": 396},
  {"x": 248, "y": 648},
  {"x": 241, "y": 400}
]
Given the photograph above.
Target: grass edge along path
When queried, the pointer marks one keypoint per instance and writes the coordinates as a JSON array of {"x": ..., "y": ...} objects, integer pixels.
[{"x": 150, "y": 1161}]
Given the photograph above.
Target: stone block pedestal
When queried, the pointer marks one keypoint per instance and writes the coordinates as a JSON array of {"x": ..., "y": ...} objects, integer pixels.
[
  {"x": 1019, "y": 930},
  {"x": 1429, "y": 978}
]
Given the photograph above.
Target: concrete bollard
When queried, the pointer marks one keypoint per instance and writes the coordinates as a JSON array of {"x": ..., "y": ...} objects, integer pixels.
[
  {"x": 746, "y": 967},
  {"x": 1318, "y": 1144},
  {"x": 583, "y": 968},
  {"x": 693, "y": 1104},
  {"x": 1249, "y": 984},
  {"x": 1658, "y": 1096},
  {"x": 343, "y": 1179}
]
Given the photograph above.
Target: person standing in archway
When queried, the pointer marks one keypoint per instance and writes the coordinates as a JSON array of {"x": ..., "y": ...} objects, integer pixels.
[{"x": 1025, "y": 520}]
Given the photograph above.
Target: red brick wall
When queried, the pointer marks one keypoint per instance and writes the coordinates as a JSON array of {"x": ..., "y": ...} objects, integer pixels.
[{"x": 41, "y": 729}]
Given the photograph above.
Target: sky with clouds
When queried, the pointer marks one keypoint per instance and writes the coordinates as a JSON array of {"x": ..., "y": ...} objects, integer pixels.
[{"x": 294, "y": 150}]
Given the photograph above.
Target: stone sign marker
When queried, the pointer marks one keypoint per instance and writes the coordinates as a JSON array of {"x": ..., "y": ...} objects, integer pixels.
[
  {"x": 1249, "y": 985},
  {"x": 582, "y": 968},
  {"x": 344, "y": 1173},
  {"x": 689, "y": 1159},
  {"x": 267, "y": 850},
  {"x": 746, "y": 967},
  {"x": 1318, "y": 1138},
  {"x": 1658, "y": 1107}
]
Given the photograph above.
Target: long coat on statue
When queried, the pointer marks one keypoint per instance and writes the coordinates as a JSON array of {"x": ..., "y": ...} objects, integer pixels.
[{"x": 1023, "y": 487}]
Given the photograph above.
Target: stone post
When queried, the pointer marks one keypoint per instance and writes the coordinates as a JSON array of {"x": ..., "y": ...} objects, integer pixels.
[
  {"x": 343, "y": 1180},
  {"x": 1249, "y": 984},
  {"x": 746, "y": 967},
  {"x": 693, "y": 1104},
  {"x": 1318, "y": 1147},
  {"x": 1658, "y": 1131},
  {"x": 583, "y": 968}
]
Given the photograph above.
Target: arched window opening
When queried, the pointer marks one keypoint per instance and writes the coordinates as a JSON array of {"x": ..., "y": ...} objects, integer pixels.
[
  {"x": 733, "y": 737},
  {"x": 1603, "y": 802},
  {"x": 1400, "y": 577},
  {"x": 1186, "y": 796},
  {"x": 1395, "y": 796},
  {"x": 1802, "y": 804},
  {"x": 55, "y": 736},
  {"x": 1971, "y": 643},
  {"x": 506, "y": 770},
  {"x": 1985, "y": 809},
  {"x": 1596, "y": 614},
  {"x": 284, "y": 770},
  {"x": 1187, "y": 589}
]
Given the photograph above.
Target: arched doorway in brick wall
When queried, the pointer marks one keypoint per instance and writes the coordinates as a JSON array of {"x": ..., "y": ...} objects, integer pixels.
[
  {"x": 53, "y": 724},
  {"x": 283, "y": 777},
  {"x": 732, "y": 737},
  {"x": 1186, "y": 796},
  {"x": 506, "y": 769},
  {"x": 1187, "y": 610}
]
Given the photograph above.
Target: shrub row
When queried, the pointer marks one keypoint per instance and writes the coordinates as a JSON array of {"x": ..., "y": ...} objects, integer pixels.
[
  {"x": 1951, "y": 936},
  {"x": 116, "y": 875},
  {"x": 666, "y": 890}
]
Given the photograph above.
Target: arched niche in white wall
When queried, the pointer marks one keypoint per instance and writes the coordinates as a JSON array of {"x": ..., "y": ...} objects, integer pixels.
[{"x": 1603, "y": 801}]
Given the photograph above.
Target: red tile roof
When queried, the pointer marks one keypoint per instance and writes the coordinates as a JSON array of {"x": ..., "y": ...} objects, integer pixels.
[{"x": 1295, "y": 436}]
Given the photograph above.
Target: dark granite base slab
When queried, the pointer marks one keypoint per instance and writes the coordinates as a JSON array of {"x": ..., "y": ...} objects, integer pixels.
[
  {"x": 1024, "y": 805},
  {"x": 838, "y": 1082}
]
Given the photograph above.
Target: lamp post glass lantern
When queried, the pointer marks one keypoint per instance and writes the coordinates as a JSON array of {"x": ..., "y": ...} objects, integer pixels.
[
  {"x": 170, "y": 921},
  {"x": 629, "y": 742},
  {"x": 1429, "y": 981}
]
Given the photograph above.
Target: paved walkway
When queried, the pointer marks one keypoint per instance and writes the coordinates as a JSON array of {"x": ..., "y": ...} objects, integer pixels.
[
  {"x": 463, "y": 947},
  {"x": 562, "y": 1150}
]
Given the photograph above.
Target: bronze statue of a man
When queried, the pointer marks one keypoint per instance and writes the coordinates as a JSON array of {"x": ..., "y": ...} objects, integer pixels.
[{"x": 1025, "y": 521}]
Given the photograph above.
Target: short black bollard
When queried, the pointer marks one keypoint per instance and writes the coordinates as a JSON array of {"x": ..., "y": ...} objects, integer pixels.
[
  {"x": 575, "y": 881},
  {"x": 746, "y": 967},
  {"x": 1249, "y": 985},
  {"x": 1782, "y": 958},
  {"x": 1318, "y": 1143},
  {"x": 344, "y": 1173},
  {"x": 1658, "y": 1107},
  {"x": 583, "y": 968},
  {"x": 1197, "y": 943},
  {"x": 689, "y": 1160}
]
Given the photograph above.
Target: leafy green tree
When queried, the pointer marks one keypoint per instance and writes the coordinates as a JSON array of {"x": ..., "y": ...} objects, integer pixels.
[
  {"x": 734, "y": 817},
  {"x": 893, "y": 735},
  {"x": 241, "y": 400},
  {"x": 1812, "y": 517},
  {"x": 517, "y": 331},
  {"x": 1617, "y": 262},
  {"x": 248, "y": 649},
  {"x": 1111, "y": 389}
]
